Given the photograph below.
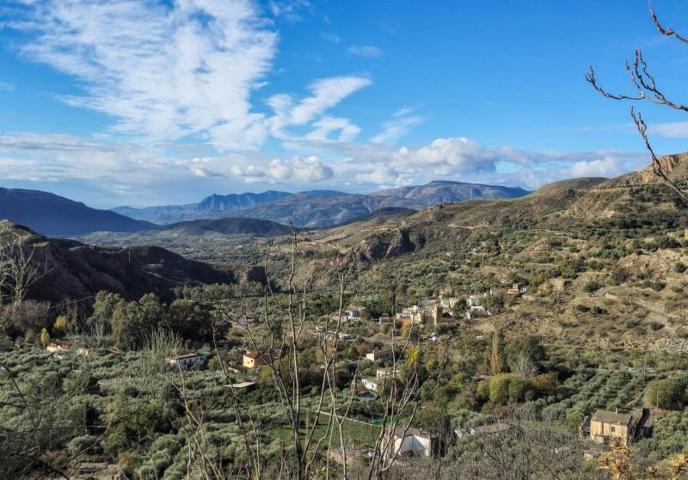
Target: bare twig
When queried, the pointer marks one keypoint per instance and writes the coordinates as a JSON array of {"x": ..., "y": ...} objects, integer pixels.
[
  {"x": 657, "y": 167},
  {"x": 666, "y": 31}
]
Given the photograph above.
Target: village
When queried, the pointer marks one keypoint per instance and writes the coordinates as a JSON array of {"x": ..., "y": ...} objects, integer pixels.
[{"x": 379, "y": 348}]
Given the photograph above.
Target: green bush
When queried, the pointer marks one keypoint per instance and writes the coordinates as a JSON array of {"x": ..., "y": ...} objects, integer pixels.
[
  {"x": 669, "y": 393},
  {"x": 507, "y": 387},
  {"x": 84, "y": 444}
]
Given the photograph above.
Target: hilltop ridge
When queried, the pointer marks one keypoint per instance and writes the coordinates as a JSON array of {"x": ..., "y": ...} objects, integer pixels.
[{"x": 320, "y": 208}]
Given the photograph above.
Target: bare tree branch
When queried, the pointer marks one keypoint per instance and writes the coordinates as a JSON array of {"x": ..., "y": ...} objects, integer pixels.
[
  {"x": 657, "y": 167},
  {"x": 668, "y": 32}
]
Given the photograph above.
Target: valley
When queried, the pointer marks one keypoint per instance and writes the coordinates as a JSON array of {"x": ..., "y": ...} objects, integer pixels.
[{"x": 503, "y": 325}]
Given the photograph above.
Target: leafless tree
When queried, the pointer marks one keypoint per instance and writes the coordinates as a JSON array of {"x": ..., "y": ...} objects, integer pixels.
[
  {"x": 316, "y": 424},
  {"x": 18, "y": 272},
  {"x": 400, "y": 409},
  {"x": 646, "y": 89}
]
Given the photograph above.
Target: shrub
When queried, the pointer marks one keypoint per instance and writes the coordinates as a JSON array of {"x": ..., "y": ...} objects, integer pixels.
[
  {"x": 85, "y": 443},
  {"x": 45, "y": 337},
  {"x": 61, "y": 323},
  {"x": 545, "y": 384},
  {"x": 668, "y": 393},
  {"x": 620, "y": 275},
  {"x": 483, "y": 390},
  {"x": 507, "y": 387}
]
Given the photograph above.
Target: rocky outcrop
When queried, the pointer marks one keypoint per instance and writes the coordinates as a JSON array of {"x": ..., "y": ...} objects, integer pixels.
[{"x": 385, "y": 245}]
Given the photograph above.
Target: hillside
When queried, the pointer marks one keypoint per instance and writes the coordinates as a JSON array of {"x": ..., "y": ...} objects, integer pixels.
[
  {"x": 228, "y": 226},
  {"x": 440, "y": 191},
  {"x": 73, "y": 270},
  {"x": 604, "y": 261},
  {"x": 320, "y": 208},
  {"x": 53, "y": 215}
]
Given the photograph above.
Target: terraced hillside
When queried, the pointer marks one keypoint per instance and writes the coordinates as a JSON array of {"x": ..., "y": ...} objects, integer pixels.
[{"x": 604, "y": 261}]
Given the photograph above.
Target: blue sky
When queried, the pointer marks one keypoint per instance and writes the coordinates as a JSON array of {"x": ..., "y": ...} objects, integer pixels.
[{"x": 149, "y": 102}]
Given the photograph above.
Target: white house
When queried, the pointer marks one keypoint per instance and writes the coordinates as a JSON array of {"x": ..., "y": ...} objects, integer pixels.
[
  {"x": 187, "y": 361},
  {"x": 378, "y": 355},
  {"x": 386, "y": 373},
  {"x": 448, "y": 302},
  {"x": 354, "y": 314},
  {"x": 372, "y": 384},
  {"x": 412, "y": 314},
  {"x": 476, "y": 311},
  {"x": 413, "y": 442}
]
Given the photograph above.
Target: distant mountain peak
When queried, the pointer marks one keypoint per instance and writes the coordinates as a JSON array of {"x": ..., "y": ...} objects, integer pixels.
[
  {"x": 320, "y": 208},
  {"x": 446, "y": 182}
]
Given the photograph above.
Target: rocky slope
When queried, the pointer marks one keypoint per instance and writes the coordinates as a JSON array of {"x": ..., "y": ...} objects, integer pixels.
[{"x": 73, "y": 270}]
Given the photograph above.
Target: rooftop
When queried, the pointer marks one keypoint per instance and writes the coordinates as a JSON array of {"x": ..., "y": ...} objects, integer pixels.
[
  {"x": 186, "y": 355},
  {"x": 493, "y": 428},
  {"x": 605, "y": 416},
  {"x": 411, "y": 431}
]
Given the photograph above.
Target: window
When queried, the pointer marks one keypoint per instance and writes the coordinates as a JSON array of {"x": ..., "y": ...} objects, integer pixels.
[{"x": 612, "y": 428}]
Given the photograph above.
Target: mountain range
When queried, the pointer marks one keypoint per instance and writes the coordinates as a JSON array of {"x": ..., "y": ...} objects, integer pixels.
[
  {"x": 213, "y": 206},
  {"x": 319, "y": 208},
  {"x": 53, "y": 215}
]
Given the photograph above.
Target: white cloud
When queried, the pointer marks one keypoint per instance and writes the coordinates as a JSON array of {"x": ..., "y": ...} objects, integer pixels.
[
  {"x": 166, "y": 71},
  {"x": 331, "y": 37},
  {"x": 384, "y": 175},
  {"x": 400, "y": 124},
  {"x": 57, "y": 158},
  {"x": 296, "y": 169},
  {"x": 290, "y": 10},
  {"x": 661, "y": 129},
  {"x": 325, "y": 94},
  {"x": 327, "y": 125},
  {"x": 452, "y": 155},
  {"x": 135, "y": 172},
  {"x": 462, "y": 159},
  {"x": 49, "y": 158},
  {"x": 199, "y": 169},
  {"x": 670, "y": 129},
  {"x": 367, "y": 51},
  {"x": 600, "y": 167}
]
